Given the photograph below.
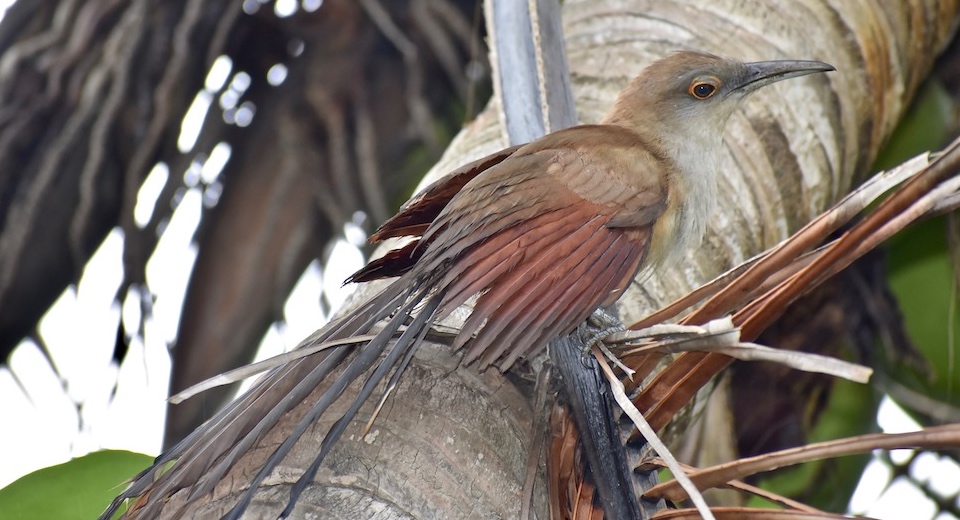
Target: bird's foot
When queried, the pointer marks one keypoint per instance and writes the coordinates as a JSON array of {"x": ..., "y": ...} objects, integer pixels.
[{"x": 600, "y": 324}]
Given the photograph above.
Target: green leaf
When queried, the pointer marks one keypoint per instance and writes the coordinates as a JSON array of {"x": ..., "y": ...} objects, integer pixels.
[
  {"x": 921, "y": 277},
  {"x": 79, "y": 489},
  {"x": 925, "y": 126}
]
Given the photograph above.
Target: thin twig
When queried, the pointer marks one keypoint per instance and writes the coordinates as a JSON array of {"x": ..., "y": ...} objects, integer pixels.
[
  {"x": 747, "y": 488},
  {"x": 651, "y": 437},
  {"x": 722, "y": 337},
  {"x": 947, "y": 436},
  {"x": 239, "y": 374}
]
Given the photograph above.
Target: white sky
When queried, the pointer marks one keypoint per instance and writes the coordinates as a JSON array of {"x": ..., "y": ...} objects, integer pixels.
[{"x": 57, "y": 419}]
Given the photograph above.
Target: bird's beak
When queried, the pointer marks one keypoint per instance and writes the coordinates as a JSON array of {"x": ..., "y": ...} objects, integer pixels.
[{"x": 761, "y": 73}]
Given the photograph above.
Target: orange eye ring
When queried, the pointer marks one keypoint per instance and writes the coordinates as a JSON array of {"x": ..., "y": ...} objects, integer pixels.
[{"x": 703, "y": 89}]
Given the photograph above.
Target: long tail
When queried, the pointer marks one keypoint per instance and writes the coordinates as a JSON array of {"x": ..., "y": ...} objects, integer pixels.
[
  {"x": 401, "y": 351},
  {"x": 202, "y": 459}
]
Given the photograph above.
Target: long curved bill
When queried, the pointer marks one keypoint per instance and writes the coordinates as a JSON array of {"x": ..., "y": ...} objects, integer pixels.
[{"x": 761, "y": 73}]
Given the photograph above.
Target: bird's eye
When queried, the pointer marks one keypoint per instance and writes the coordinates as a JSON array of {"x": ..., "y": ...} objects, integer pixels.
[{"x": 703, "y": 89}]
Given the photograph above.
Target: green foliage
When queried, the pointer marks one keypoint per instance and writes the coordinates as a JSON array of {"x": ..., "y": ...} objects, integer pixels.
[
  {"x": 924, "y": 127},
  {"x": 921, "y": 271},
  {"x": 921, "y": 277},
  {"x": 79, "y": 489}
]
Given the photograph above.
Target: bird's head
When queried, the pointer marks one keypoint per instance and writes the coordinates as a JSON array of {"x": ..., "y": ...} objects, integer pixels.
[
  {"x": 691, "y": 94},
  {"x": 682, "y": 103}
]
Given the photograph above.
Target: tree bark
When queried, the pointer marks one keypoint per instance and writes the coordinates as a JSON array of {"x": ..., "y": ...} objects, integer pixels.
[{"x": 446, "y": 447}]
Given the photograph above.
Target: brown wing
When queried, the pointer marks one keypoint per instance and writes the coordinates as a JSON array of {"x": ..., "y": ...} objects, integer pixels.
[
  {"x": 392, "y": 264},
  {"x": 541, "y": 237},
  {"x": 415, "y": 216}
]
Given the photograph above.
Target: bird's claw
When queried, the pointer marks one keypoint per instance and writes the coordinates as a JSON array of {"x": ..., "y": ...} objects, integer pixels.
[{"x": 601, "y": 323}]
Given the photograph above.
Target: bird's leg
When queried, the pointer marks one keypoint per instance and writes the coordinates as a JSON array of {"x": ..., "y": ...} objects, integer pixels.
[{"x": 603, "y": 322}]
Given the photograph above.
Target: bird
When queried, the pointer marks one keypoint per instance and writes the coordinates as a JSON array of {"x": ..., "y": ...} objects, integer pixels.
[{"x": 540, "y": 234}]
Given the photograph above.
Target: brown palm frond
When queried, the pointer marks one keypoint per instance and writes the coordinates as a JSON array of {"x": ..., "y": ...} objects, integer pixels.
[{"x": 933, "y": 438}]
